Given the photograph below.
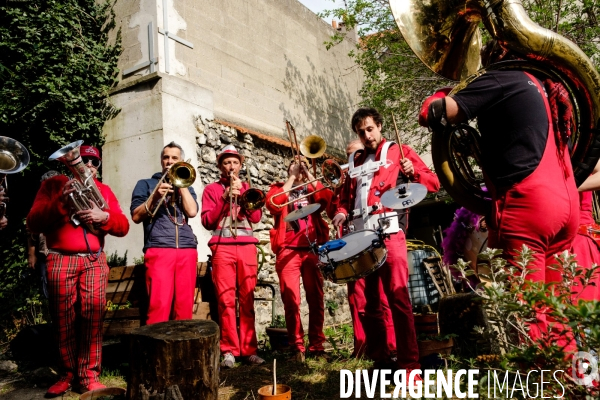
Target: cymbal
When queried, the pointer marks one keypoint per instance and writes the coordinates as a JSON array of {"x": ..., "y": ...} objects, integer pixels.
[
  {"x": 404, "y": 196},
  {"x": 302, "y": 212}
]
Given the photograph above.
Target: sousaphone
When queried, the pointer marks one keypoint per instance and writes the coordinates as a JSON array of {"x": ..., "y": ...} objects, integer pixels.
[{"x": 444, "y": 34}]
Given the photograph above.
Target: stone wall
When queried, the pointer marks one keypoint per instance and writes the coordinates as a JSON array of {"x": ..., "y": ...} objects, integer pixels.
[{"x": 265, "y": 163}]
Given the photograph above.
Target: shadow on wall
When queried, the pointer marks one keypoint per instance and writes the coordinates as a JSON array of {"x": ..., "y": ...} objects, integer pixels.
[{"x": 322, "y": 97}]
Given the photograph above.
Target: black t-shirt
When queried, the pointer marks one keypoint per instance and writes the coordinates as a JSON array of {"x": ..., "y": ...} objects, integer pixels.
[{"x": 513, "y": 123}]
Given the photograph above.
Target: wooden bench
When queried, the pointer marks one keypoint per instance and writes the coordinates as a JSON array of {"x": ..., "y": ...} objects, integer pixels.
[{"x": 127, "y": 289}]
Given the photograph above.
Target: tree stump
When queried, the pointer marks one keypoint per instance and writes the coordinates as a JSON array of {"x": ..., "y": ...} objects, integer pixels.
[{"x": 175, "y": 359}]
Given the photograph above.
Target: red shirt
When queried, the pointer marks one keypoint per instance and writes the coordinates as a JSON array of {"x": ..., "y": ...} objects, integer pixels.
[
  {"x": 317, "y": 227},
  {"x": 214, "y": 209},
  {"x": 50, "y": 216}
]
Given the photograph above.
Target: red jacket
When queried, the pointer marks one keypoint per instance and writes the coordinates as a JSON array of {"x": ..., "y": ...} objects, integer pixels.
[
  {"x": 318, "y": 228},
  {"x": 214, "y": 208},
  {"x": 49, "y": 216},
  {"x": 422, "y": 175}
]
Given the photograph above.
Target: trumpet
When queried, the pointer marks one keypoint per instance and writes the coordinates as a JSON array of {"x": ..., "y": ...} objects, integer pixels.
[
  {"x": 14, "y": 158},
  {"x": 181, "y": 175},
  {"x": 86, "y": 190},
  {"x": 333, "y": 175}
]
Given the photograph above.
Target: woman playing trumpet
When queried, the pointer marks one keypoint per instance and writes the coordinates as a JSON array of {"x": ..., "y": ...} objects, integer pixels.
[{"x": 234, "y": 260}]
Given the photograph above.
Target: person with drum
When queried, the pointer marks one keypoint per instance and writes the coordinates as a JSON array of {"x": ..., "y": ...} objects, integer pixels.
[
  {"x": 293, "y": 242},
  {"x": 376, "y": 170},
  {"x": 234, "y": 261},
  {"x": 356, "y": 289}
]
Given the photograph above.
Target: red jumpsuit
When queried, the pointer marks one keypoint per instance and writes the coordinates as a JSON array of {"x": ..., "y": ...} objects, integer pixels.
[
  {"x": 356, "y": 290},
  {"x": 77, "y": 271},
  {"x": 296, "y": 259},
  {"x": 393, "y": 274},
  {"x": 586, "y": 247},
  {"x": 234, "y": 268},
  {"x": 541, "y": 212}
]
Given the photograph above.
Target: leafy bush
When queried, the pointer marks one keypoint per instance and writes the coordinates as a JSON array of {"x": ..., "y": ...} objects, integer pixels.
[
  {"x": 57, "y": 69},
  {"x": 511, "y": 302},
  {"x": 113, "y": 260}
]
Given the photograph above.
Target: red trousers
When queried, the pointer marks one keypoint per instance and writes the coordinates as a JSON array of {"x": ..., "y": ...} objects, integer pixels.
[
  {"x": 357, "y": 302},
  {"x": 78, "y": 327},
  {"x": 541, "y": 212},
  {"x": 586, "y": 249},
  {"x": 393, "y": 276},
  {"x": 292, "y": 264},
  {"x": 170, "y": 281},
  {"x": 234, "y": 272}
]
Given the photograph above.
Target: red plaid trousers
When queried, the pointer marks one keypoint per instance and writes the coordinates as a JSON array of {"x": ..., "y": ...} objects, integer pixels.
[{"x": 78, "y": 327}]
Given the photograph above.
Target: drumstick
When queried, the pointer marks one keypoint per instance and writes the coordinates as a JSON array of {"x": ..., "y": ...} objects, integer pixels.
[
  {"x": 399, "y": 142},
  {"x": 398, "y": 136}
]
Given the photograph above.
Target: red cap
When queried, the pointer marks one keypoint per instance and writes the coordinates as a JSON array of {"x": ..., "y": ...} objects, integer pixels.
[{"x": 89, "y": 151}]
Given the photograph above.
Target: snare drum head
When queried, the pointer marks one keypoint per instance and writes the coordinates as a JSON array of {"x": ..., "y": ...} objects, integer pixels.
[{"x": 356, "y": 242}]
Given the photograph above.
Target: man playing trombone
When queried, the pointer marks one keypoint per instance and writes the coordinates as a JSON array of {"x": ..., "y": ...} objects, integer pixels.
[
  {"x": 170, "y": 246},
  {"x": 292, "y": 244},
  {"x": 234, "y": 261}
]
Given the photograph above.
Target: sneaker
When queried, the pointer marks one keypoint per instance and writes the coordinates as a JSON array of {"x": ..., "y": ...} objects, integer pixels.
[
  {"x": 94, "y": 386},
  {"x": 297, "y": 356},
  {"x": 228, "y": 360},
  {"x": 59, "y": 388},
  {"x": 254, "y": 360}
]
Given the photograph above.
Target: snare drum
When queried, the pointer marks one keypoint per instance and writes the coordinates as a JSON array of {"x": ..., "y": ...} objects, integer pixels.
[{"x": 358, "y": 258}]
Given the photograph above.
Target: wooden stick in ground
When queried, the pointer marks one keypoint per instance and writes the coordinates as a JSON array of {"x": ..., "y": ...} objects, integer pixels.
[
  {"x": 274, "y": 377},
  {"x": 398, "y": 136}
]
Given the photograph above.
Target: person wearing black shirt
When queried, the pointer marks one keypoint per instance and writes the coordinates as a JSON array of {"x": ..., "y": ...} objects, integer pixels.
[{"x": 527, "y": 167}]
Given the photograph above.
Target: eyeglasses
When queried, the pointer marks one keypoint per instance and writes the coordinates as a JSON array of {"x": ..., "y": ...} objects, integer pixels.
[{"x": 95, "y": 162}]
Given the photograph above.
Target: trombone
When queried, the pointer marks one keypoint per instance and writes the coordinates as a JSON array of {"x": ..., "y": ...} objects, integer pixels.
[
  {"x": 333, "y": 175},
  {"x": 181, "y": 175}
]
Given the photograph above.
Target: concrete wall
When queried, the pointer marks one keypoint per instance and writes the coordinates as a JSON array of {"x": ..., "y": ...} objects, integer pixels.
[
  {"x": 264, "y": 61},
  {"x": 155, "y": 110}
]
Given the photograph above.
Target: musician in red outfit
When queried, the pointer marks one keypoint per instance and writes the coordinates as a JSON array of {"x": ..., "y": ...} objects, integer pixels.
[
  {"x": 586, "y": 244},
  {"x": 291, "y": 242},
  {"x": 375, "y": 170},
  {"x": 77, "y": 272},
  {"x": 525, "y": 161},
  {"x": 234, "y": 260}
]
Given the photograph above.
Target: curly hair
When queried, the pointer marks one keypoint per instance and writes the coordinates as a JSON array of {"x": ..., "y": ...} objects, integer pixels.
[{"x": 457, "y": 233}]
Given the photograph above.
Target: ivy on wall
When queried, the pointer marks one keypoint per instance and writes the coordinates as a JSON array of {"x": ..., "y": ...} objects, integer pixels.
[{"x": 57, "y": 66}]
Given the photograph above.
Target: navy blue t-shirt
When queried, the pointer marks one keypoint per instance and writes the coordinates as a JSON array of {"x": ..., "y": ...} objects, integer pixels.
[
  {"x": 512, "y": 120},
  {"x": 160, "y": 231}
]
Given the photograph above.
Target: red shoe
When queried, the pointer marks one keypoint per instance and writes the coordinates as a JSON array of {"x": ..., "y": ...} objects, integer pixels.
[
  {"x": 416, "y": 382},
  {"x": 94, "y": 386},
  {"x": 59, "y": 388}
]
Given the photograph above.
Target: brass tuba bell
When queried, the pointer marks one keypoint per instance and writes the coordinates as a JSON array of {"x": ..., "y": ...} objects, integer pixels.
[
  {"x": 444, "y": 35},
  {"x": 14, "y": 158},
  {"x": 86, "y": 190}
]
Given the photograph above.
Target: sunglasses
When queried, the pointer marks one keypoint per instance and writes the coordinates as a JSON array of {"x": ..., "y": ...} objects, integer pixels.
[{"x": 95, "y": 162}]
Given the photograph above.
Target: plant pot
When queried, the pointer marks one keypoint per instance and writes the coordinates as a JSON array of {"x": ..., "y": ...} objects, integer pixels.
[
  {"x": 278, "y": 338},
  {"x": 427, "y": 324},
  {"x": 284, "y": 392},
  {"x": 428, "y": 347}
]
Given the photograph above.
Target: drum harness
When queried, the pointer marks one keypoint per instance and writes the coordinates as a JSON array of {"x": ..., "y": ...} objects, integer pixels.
[{"x": 365, "y": 218}]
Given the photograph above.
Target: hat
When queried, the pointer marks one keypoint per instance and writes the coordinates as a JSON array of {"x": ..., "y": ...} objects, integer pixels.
[
  {"x": 302, "y": 159},
  {"x": 229, "y": 151},
  {"x": 89, "y": 151}
]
